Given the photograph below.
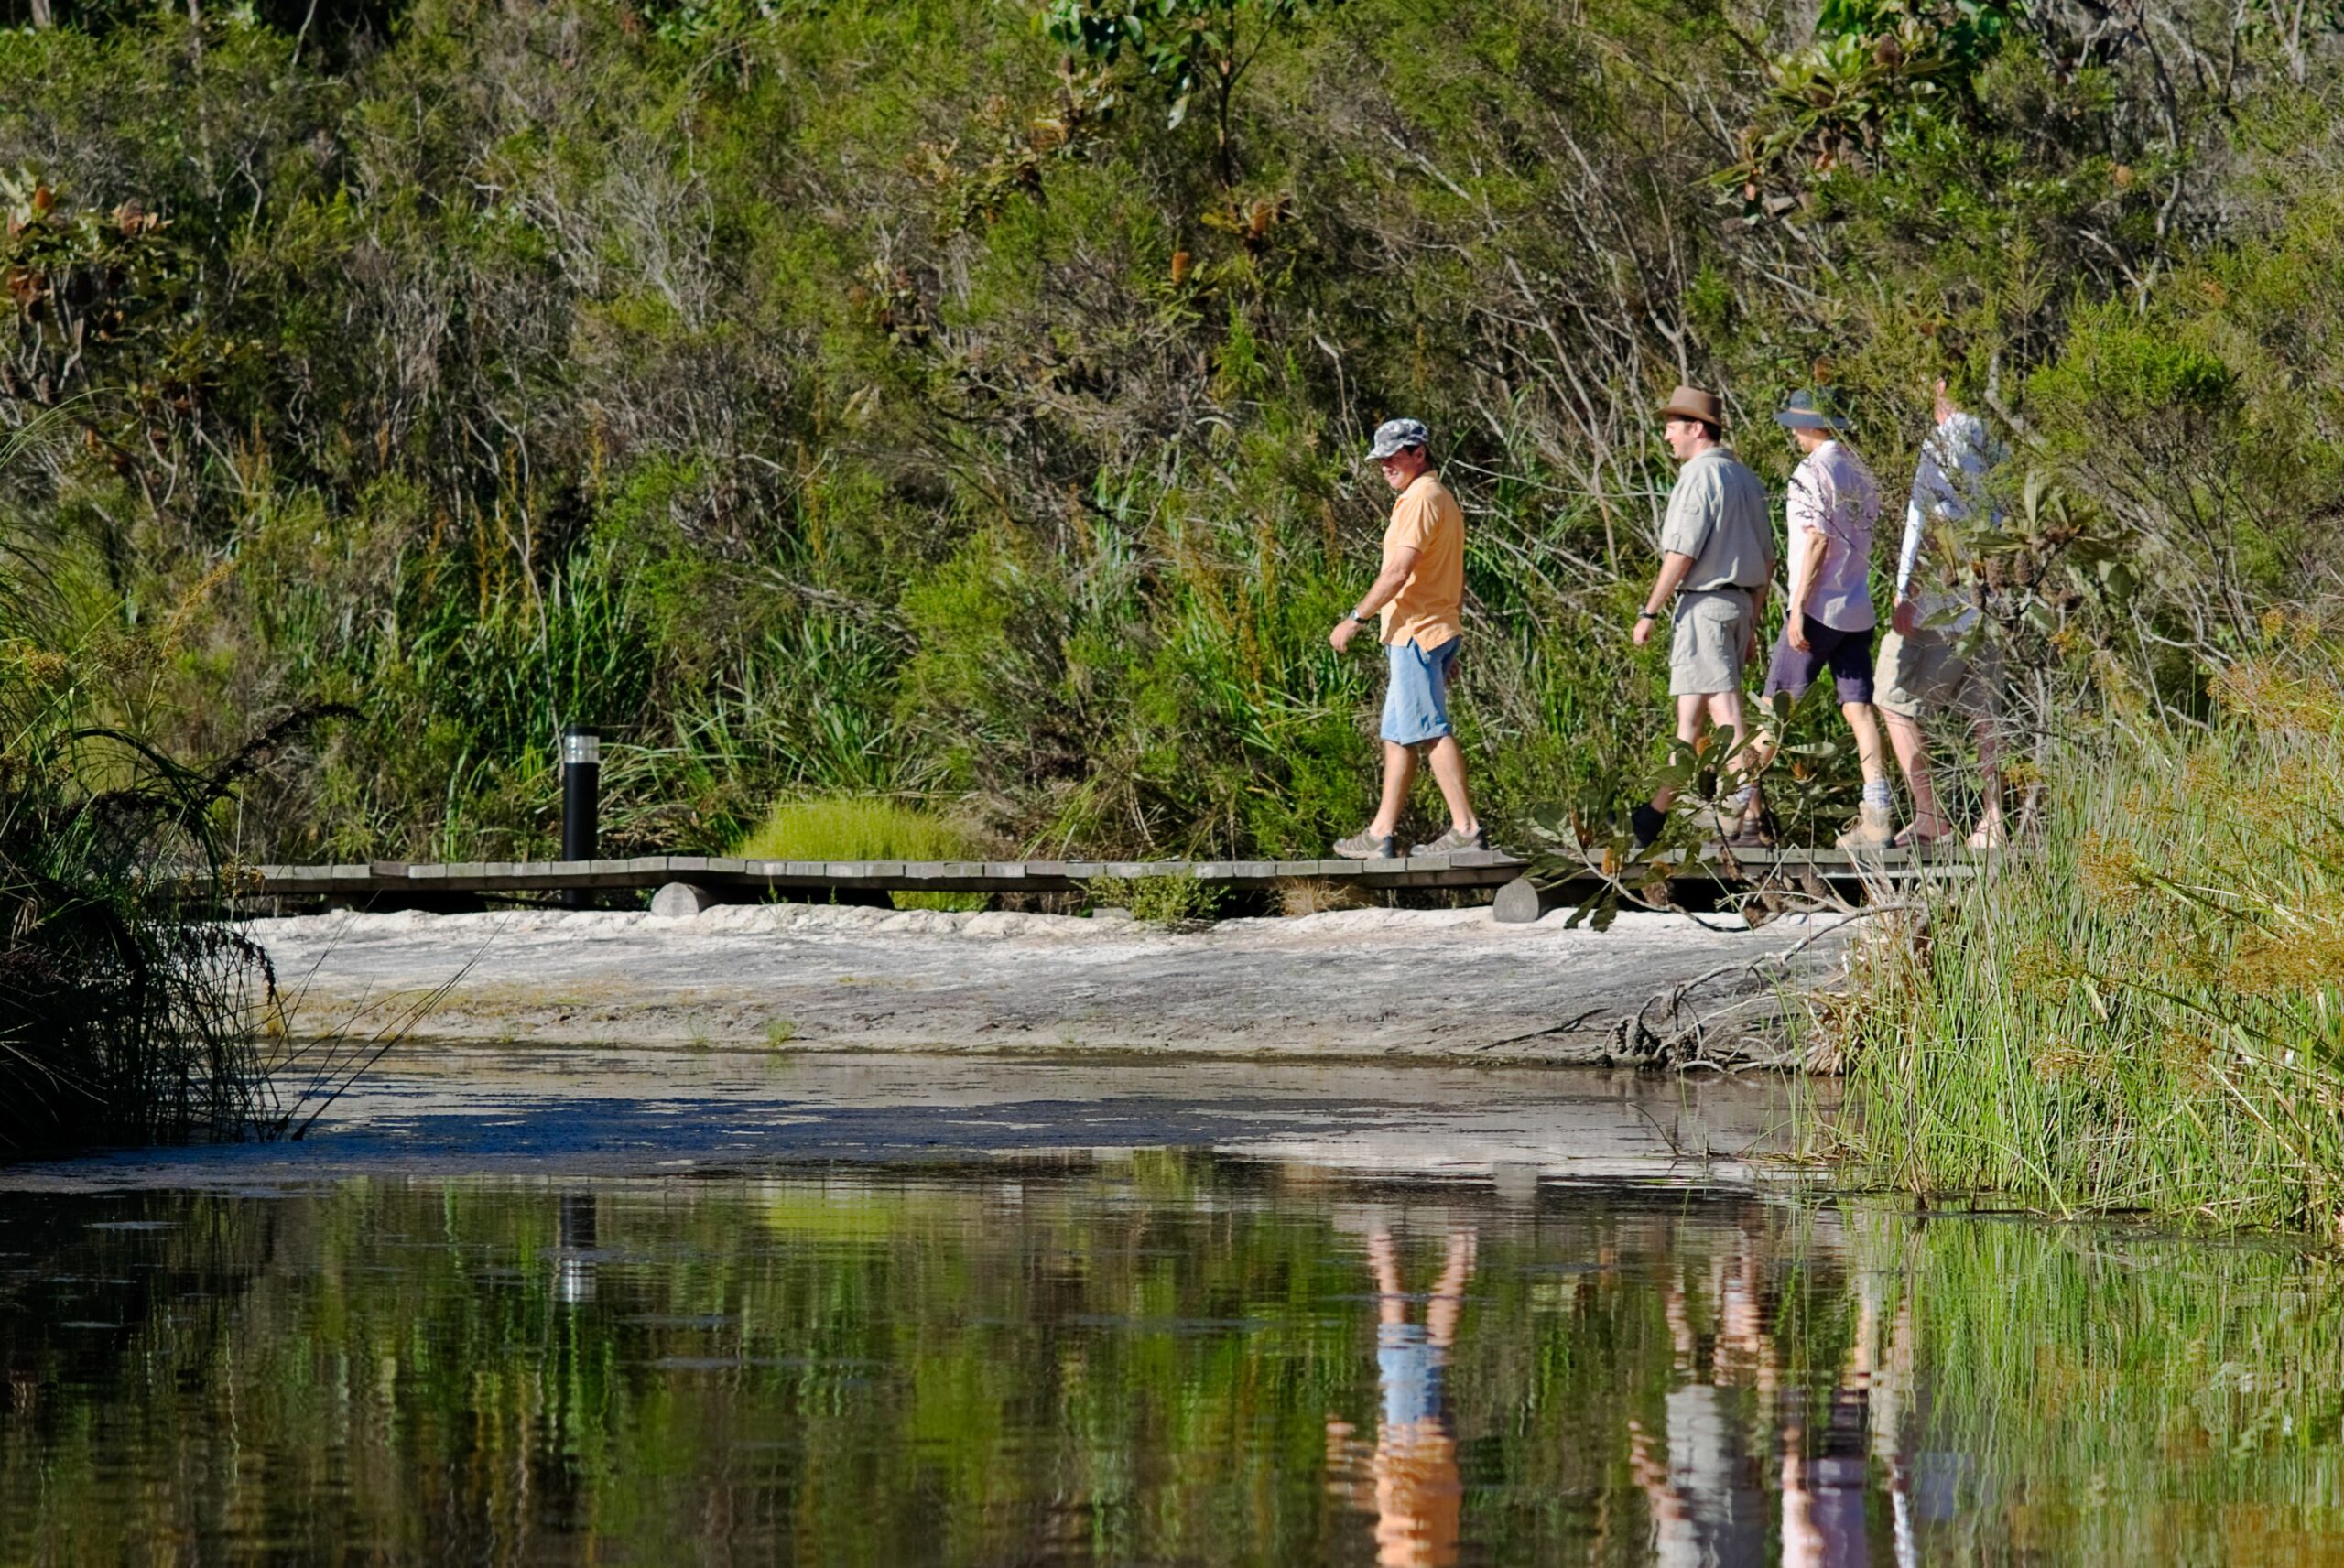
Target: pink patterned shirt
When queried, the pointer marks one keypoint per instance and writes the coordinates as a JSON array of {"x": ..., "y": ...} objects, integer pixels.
[{"x": 1833, "y": 496}]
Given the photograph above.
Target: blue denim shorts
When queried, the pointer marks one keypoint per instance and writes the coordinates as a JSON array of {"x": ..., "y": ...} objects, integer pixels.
[{"x": 1415, "y": 705}]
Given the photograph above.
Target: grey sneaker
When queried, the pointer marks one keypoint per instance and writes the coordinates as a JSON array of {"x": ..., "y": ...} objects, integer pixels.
[
  {"x": 1365, "y": 846},
  {"x": 1452, "y": 841}
]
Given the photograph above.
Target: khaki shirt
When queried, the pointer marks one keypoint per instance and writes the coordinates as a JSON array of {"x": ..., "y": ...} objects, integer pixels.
[
  {"x": 1429, "y": 608},
  {"x": 1717, "y": 514}
]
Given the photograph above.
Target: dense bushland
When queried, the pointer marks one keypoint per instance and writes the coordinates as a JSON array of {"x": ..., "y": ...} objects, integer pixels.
[{"x": 916, "y": 398}]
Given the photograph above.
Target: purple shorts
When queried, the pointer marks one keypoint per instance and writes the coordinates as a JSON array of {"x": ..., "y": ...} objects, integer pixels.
[{"x": 1847, "y": 654}]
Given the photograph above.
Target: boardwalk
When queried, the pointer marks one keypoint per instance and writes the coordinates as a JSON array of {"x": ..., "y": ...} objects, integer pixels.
[{"x": 388, "y": 884}]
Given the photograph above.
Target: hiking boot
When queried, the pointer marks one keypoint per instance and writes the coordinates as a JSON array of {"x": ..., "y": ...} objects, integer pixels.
[
  {"x": 1365, "y": 846},
  {"x": 1451, "y": 842},
  {"x": 1647, "y": 823},
  {"x": 1874, "y": 828}
]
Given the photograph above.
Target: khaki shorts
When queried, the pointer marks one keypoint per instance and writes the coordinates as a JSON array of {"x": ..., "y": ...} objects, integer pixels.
[
  {"x": 1928, "y": 672},
  {"x": 1707, "y": 640}
]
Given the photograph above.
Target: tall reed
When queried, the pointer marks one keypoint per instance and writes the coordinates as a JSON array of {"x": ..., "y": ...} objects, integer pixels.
[
  {"x": 127, "y": 1007},
  {"x": 2144, "y": 1012}
]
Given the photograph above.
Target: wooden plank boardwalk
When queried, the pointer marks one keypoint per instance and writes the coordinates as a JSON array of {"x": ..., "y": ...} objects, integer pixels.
[{"x": 388, "y": 883}]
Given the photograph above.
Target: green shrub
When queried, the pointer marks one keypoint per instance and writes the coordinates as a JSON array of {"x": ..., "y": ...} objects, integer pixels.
[
  {"x": 1164, "y": 900},
  {"x": 865, "y": 828}
]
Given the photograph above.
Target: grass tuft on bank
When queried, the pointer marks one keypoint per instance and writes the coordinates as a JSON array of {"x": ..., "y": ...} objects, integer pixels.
[
  {"x": 2144, "y": 1012},
  {"x": 865, "y": 828}
]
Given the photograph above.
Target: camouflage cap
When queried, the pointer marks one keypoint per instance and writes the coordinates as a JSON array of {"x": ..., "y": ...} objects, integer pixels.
[{"x": 1396, "y": 435}]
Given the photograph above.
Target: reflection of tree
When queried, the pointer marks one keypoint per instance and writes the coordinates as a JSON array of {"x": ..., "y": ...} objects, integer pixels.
[{"x": 1418, "y": 1494}]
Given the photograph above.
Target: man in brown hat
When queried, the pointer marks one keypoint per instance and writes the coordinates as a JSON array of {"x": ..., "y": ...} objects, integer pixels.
[{"x": 1718, "y": 560}]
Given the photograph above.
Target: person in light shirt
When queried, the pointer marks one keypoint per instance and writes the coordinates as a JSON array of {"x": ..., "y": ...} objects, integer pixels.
[
  {"x": 1831, "y": 507},
  {"x": 1933, "y": 657}
]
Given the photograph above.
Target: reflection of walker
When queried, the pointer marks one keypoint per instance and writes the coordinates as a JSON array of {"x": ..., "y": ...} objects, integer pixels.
[{"x": 1418, "y": 1493}]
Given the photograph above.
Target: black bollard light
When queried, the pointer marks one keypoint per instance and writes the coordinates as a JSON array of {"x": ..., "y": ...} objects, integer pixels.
[{"x": 582, "y": 800}]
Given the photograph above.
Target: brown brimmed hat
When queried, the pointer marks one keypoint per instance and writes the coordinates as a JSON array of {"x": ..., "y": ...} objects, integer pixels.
[{"x": 1692, "y": 403}]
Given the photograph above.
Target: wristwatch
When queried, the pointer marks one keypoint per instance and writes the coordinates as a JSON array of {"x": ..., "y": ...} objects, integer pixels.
[{"x": 1355, "y": 615}]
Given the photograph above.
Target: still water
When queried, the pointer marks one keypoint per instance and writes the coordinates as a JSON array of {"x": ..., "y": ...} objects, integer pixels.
[{"x": 1150, "y": 1356}]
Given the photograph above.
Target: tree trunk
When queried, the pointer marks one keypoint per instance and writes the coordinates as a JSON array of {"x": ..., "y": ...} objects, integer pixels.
[{"x": 43, "y": 18}]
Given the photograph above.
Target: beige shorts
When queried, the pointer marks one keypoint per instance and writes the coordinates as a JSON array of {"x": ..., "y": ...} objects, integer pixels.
[
  {"x": 1707, "y": 640},
  {"x": 1928, "y": 672}
]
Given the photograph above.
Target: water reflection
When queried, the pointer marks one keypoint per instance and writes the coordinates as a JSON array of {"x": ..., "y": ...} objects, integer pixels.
[
  {"x": 1164, "y": 1359},
  {"x": 1416, "y": 1488},
  {"x": 574, "y": 1260}
]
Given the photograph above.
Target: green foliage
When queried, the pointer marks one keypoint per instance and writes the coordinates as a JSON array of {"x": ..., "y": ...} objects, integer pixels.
[
  {"x": 1877, "y": 70},
  {"x": 2144, "y": 1012},
  {"x": 1163, "y": 900},
  {"x": 851, "y": 399},
  {"x": 856, "y": 828},
  {"x": 128, "y": 1009},
  {"x": 1190, "y": 46},
  {"x": 865, "y": 828}
]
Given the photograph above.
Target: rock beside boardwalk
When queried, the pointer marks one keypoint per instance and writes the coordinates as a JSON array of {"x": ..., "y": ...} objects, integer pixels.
[{"x": 1377, "y": 984}]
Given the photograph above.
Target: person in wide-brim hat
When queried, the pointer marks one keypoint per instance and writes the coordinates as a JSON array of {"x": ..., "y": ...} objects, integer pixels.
[
  {"x": 1692, "y": 403},
  {"x": 1832, "y": 502},
  {"x": 1716, "y": 562},
  {"x": 1806, "y": 411}
]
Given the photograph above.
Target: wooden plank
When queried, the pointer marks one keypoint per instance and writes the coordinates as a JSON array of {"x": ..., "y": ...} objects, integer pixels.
[{"x": 1462, "y": 868}]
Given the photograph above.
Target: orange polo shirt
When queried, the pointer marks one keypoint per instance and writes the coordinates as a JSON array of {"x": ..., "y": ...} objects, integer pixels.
[{"x": 1429, "y": 608}]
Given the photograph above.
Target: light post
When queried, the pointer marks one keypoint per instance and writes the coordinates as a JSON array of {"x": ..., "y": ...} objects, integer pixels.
[{"x": 582, "y": 800}]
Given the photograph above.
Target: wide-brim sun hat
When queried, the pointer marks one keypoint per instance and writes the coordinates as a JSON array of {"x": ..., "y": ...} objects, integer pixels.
[
  {"x": 1806, "y": 411},
  {"x": 1395, "y": 436},
  {"x": 1692, "y": 403}
]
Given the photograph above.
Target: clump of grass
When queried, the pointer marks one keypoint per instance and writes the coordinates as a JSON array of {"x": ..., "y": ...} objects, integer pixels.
[
  {"x": 1319, "y": 895},
  {"x": 2148, "y": 1011},
  {"x": 1163, "y": 900},
  {"x": 866, "y": 827},
  {"x": 127, "y": 1007}
]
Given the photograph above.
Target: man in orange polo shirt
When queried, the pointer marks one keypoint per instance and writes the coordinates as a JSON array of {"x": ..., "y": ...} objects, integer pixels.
[{"x": 1420, "y": 598}]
